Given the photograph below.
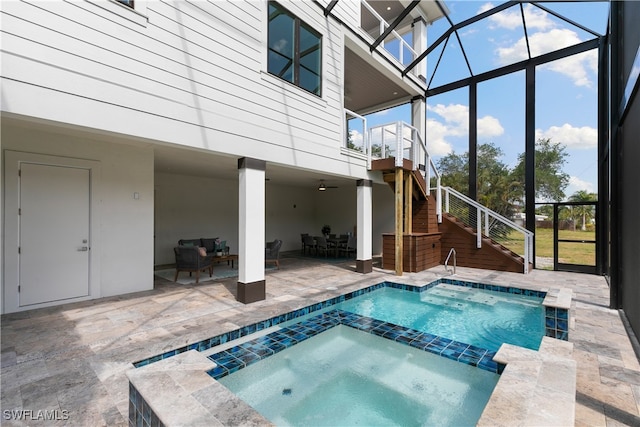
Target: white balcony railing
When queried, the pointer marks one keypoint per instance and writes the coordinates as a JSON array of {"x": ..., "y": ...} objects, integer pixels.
[
  {"x": 405, "y": 53},
  {"x": 403, "y": 141}
]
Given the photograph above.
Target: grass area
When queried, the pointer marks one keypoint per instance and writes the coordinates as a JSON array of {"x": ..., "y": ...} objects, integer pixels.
[{"x": 569, "y": 253}]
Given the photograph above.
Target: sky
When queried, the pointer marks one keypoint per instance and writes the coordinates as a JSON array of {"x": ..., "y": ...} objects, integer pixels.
[{"x": 566, "y": 90}]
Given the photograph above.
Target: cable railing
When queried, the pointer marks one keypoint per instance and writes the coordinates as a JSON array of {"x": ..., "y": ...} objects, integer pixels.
[
  {"x": 489, "y": 224},
  {"x": 403, "y": 141}
]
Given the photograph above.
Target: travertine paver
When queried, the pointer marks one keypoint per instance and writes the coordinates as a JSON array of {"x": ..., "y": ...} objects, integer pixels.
[{"x": 73, "y": 358}]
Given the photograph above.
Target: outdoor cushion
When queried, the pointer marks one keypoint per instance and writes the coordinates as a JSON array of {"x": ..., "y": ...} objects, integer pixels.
[{"x": 209, "y": 244}]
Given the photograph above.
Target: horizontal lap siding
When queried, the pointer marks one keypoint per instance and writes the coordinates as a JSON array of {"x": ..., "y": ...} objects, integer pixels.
[
  {"x": 425, "y": 219},
  {"x": 420, "y": 252},
  {"x": 197, "y": 63}
]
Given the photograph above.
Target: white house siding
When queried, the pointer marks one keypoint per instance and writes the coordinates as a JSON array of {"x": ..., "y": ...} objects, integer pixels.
[
  {"x": 193, "y": 74},
  {"x": 347, "y": 11},
  {"x": 126, "y": 224}
]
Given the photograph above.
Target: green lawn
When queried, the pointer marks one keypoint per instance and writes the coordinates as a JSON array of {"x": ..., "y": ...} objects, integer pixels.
[{"x": 569, "y": 253}]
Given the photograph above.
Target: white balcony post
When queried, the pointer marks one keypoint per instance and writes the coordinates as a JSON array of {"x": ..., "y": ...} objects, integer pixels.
[
  {"x": 446, "y": 201},
  {"x": 526, "y": 254},
  {"x": 478, "y": 227},
  {"x": 486, "y": 223},
  {"x": 420, "y": 45},
  {"x": 399, "y": 150}
]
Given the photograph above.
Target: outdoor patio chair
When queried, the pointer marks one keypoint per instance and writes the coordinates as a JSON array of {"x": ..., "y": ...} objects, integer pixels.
[
  {"x": 322, "y": 245},
  {"x": 309, "y": 243},
  {"x": 350, "y": 246},
  {"x": 272, "y": 252},
  {"x": 189, "y": 258}
]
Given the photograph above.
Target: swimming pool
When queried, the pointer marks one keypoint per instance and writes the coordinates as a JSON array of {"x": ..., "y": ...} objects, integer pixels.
[
  {"x": 362, "y": 355},
  {"x": 556, "y": 318},
  {"x": 254, "y": 342},
  {"x": 344, "y": 376},
  {"x": 475, "y": 316}
]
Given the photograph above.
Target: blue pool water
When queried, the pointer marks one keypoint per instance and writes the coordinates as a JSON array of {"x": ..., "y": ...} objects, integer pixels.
[
  {"x": 347, "y": 377},
  {"x": 389, "y": 354},
  {"x": 474, "y": 316}
]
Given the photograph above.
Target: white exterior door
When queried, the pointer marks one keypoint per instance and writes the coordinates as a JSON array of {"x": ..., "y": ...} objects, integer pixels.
[{"x": 54, "y": 240}]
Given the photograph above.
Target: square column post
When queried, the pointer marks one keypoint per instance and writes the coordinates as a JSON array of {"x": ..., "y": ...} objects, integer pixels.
[
  {"x": 419, "y": 31},
  {"x": 364, "y": 263},
  {"x": 251, "y": 230}
]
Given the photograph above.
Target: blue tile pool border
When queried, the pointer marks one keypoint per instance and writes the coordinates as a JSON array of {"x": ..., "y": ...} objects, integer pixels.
[
  {"x": 140, "y": 413},
  {"x": 245, "y": 354},
  {"x": 553, "y": 325}
]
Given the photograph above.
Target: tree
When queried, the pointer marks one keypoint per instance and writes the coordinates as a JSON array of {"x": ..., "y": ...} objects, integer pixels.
[
  {"x": 587, "y": 211},
  {"x": 496, "y": 188},
  {"x": 454, "y": 169},
  {"x": 550, "y": 180},
  {"x": 502, "y": 189}
]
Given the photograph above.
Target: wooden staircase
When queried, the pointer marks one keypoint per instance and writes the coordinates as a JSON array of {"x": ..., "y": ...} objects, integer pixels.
[
  {"x": 424, "y": 243},
  {"x": 418, "y": 247},
  {"x": 491, "y": 256}
]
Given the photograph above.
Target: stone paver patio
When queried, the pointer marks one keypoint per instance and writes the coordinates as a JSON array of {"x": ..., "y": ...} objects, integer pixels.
[{"x": 72, "y": 359}]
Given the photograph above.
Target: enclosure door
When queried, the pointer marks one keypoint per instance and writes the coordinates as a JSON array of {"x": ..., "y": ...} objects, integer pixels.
[
  {"x": 575, "y": 242},
  {"x": 54, "y": 233}
]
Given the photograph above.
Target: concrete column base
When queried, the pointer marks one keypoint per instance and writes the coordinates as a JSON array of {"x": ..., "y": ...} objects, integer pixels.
[
  {"x": 251, "y": 292},
  {"x": 364, "y": 266}
]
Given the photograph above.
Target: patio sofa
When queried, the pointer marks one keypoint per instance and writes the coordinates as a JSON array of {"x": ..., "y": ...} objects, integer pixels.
[{"x": 208, "y": 243}]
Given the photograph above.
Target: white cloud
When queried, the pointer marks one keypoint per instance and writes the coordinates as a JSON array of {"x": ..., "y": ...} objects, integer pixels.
[
  {"x": 485, "y": 7},
  {"x": 456, "y": 117},
  {"x": 489, "y": 126},
  {"x": 356, "y": 138},
  {"x": 455, "y": 123},
  {"x": 511, "y": 18},
  {"x": 574, "y": 67},
  {"x": 576, "y": 184},
  {"x": 437, "y": 144},
  {"x": 584, "y": 137}
]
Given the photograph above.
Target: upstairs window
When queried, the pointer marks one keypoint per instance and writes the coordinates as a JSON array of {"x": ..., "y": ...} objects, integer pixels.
[
  {"x": 126, "y": 3},
  {"x": 295, "y": 50}
]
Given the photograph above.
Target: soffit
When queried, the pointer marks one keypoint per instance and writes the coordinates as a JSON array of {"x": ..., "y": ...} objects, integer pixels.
[{"x": 367, "y": 89}]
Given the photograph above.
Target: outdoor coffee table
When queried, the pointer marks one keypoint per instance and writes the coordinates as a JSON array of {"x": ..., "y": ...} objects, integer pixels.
[{"x": 228, "y": 257}]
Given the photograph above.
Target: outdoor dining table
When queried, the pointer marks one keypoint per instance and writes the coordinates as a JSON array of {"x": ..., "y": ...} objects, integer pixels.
[{"x": 336, "y": 241}]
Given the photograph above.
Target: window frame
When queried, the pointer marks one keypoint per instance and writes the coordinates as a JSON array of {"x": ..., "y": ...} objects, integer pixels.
[
  {"x": 128, "y": 3},
  {"x": 296, "y": 65}
]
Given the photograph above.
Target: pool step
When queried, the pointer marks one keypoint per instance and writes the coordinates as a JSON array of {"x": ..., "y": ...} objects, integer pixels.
[{"x": 544, "y": 381}]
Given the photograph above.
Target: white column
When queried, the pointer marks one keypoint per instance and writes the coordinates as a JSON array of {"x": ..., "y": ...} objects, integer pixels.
[
  {"x": 420, "y": 45},
  {"x": 364, "y": 263},
  {"x": 251, "y": 230}
]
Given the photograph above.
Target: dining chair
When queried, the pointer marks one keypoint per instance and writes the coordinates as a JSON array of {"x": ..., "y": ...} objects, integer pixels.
[
  {"x": 322, "y": 245},
  {"x": 309, "y": 243},
  {"x": 302, "y": 236},
  {"x": 350, "y": 246}
]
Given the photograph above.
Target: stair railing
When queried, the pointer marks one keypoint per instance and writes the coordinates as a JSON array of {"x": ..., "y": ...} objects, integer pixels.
[
  {"x": 403, "y": 141},
  {"x": 446, "y": 261},
  {"x": 488, "y": 223}
]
